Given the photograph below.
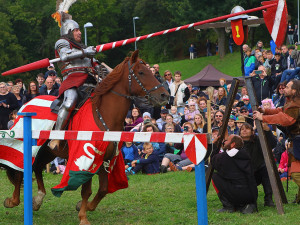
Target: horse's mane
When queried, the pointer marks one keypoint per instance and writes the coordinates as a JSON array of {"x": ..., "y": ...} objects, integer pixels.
[{"x": 108, "y": 82}]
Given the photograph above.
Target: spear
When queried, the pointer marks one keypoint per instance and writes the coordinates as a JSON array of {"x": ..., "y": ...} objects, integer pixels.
[{"x": 104, "y": 47}]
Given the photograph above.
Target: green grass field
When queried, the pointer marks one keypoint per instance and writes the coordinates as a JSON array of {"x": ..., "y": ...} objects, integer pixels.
[
  {"x": 159, "y": 199},
  {"x": 230, "y": 65}
]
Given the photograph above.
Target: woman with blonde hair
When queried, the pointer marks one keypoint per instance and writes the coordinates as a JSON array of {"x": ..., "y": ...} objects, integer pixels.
[
  {"x": 210, "y": 91},
  {"x": 198, "y": 123}
]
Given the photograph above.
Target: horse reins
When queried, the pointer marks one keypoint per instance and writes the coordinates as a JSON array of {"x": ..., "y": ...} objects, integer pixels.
[{"x": 131, "y": 74}]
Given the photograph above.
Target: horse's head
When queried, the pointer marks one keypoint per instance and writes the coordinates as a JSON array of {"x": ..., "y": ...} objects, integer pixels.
[{"x": 142, "y": 83}]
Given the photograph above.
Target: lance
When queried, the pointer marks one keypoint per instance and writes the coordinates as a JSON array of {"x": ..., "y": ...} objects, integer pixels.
[{"x": 104, "y": 47}]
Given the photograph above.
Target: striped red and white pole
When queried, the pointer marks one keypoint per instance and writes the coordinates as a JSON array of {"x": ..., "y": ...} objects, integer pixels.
[
  {"x": 104, "y": 47},
  {"x": 195, "y": 145},
  {"x": 116, "y": 44}
]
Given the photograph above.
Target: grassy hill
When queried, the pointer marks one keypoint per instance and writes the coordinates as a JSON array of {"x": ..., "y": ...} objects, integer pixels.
[{"x": 230, "y": 65}]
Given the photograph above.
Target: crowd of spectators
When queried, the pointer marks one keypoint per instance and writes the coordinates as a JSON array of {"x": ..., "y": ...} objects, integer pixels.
[
  {"x": 187, "y": 112},
  {"x": 188, "y": 106},
  {"x": 14, "y": 94}
]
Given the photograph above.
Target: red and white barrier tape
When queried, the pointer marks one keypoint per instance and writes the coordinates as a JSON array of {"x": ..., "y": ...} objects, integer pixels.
[{"x": 195, "y": 145}]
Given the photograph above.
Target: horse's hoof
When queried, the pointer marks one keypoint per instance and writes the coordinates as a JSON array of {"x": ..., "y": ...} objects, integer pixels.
[
  {"x": 78, "y": 206},
  {"x": 8, "y": 203},
  {"x": 84, "y": 222},
  {"x": 37, "y": 201}
]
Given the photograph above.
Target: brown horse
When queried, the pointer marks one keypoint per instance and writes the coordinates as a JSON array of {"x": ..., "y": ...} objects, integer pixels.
[{"x": 111, "y": 100}]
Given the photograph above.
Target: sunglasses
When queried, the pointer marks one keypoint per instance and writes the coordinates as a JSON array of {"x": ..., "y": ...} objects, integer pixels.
[
  {"x": 244, "y": 111},
  {"x": 282, "y": 88},
  {"x": 167, "y": 74},
  {"x": 219, "y": 116}
]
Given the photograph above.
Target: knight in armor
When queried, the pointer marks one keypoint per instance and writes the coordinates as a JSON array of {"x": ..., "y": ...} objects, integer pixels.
[
  {"x": 289, "y": 117},
  {"x": 78, "y": 68}
]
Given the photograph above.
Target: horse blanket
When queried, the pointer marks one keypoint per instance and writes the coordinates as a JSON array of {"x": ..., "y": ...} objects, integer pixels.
[
  {"x": 11, "y": 150},
  {"x": 85, "y": 157}
]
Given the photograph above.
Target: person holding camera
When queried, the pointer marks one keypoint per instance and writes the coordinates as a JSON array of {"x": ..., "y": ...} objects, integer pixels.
[
  {"x": 178, "y": 160},
  {"x": 139, "y": 127},
  {"x": 262, "y": 83}
]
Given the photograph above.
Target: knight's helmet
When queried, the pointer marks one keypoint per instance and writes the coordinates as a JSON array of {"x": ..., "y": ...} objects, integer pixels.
[
  {"x": 237, "y": 9},
  {"x": 65, "y": 22},
  {"x": 67, "y": 26}
]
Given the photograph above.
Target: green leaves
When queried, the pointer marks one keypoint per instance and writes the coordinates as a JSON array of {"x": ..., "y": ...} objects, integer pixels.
[{"x": 28, "y": 33}]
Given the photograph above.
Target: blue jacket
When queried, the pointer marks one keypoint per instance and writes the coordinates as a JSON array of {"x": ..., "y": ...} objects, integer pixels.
[
  {"x": 151, "y": 164},
  {"x": 130, "y": 153},
  {"x": 249, "y": 65}
]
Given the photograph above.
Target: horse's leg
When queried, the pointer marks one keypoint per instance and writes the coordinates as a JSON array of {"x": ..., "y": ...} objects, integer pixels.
[
  {"x": 44, "y": 156},
  {"x": 102, "y": 190},
  {"x": 37, "y": 200},
  {"x": 103, "y": 179},
  {"x": 16, "y": 177},
  {"x": 86, "y": 192}
]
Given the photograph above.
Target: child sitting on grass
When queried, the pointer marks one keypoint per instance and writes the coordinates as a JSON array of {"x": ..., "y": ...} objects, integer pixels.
[
  {"x": 148, "y": 163},
  {"x": 130, "y": 153}
]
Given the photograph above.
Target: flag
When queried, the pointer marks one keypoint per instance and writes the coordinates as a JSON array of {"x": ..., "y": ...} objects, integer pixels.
[
  {"x": 238, "y": 31},
  {"x": 276, "y": 20}
]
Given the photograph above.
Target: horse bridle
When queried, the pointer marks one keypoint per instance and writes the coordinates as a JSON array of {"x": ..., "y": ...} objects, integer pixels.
[
  {"x": 147, "y": 96},
  {"x": 131, "y": 74}
]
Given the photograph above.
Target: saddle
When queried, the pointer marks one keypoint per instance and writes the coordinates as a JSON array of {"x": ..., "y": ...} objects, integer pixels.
[{"x": 84, "y": 93}]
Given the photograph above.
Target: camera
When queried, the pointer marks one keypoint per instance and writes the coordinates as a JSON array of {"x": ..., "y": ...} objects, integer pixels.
[
  {"x": 186, "y": 128},
  {"x": 147, "y": 121},
  {"x": 258, "y": 72}
]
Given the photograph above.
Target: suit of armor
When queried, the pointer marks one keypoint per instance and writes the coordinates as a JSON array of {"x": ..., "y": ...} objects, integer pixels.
[{"x": 77, "y": 67}]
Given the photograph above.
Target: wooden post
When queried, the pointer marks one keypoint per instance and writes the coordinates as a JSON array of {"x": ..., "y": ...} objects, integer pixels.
[
  {"x": 208, "y": 106},
  {"x": 275, "y": 181},
  {"x": 223, "y": 129}
]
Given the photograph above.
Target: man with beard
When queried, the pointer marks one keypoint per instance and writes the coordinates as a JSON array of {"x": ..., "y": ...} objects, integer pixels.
[
  {"x": 234, "y": 180},
  {"x": 289, "y": 117},
  {"x": 77, "y": 67}
]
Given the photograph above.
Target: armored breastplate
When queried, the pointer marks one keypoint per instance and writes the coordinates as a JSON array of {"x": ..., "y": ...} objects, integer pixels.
[
  {"x": 79, "y": 62},
  {"x": 65, "y": 48}
]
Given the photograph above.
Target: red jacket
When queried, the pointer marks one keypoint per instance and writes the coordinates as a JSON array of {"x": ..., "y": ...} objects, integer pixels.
[{"x": 284, "y": 161}]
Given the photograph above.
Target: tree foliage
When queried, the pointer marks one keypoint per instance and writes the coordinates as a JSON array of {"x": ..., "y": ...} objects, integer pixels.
[{"x": 28, "y": 33}]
